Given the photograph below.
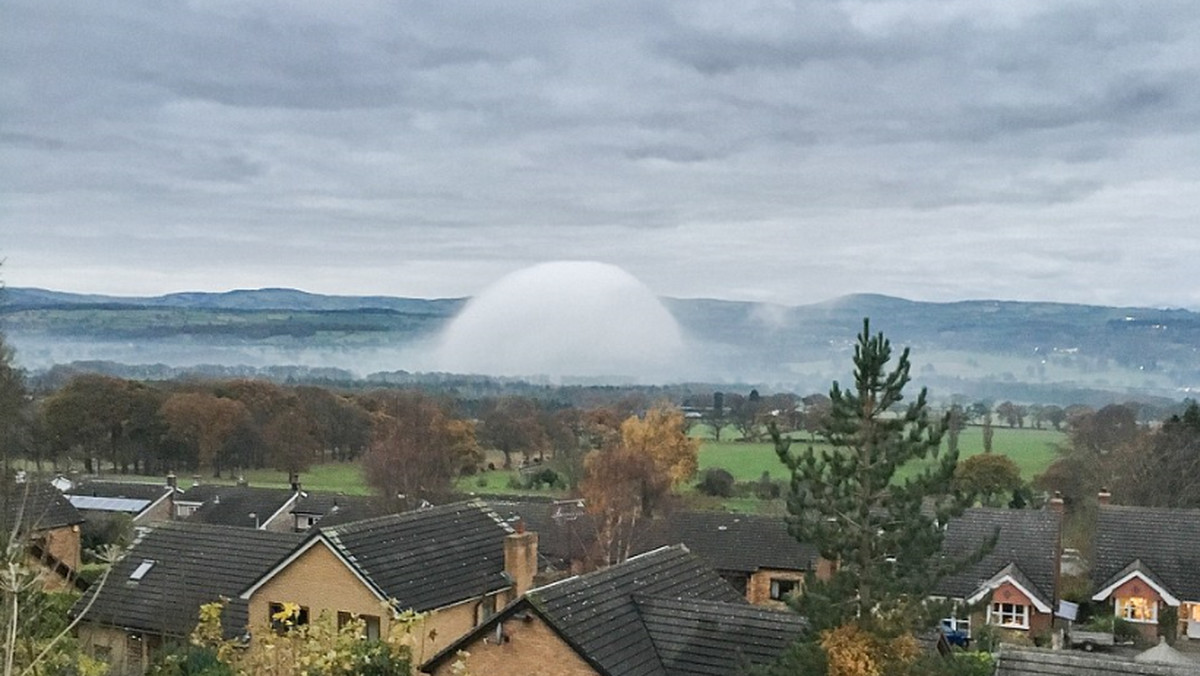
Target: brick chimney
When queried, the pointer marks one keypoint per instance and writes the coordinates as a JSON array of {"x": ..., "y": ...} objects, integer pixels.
[
  {"x": 1103, "y": 497},
  {"x": 521, "y": 558},
  {"x": 1056, "y": 502},
  {"x": 294, "y": 480},
  {"x": 172, "y": 480}
]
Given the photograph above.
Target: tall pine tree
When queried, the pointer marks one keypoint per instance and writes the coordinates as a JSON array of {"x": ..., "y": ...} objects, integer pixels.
[{"x": 846, "y": 499}]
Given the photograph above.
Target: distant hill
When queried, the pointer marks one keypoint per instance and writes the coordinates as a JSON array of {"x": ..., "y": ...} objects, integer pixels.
[{"x": 960, "y": 347}]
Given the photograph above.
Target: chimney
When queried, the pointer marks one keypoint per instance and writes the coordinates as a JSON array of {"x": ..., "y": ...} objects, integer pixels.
[
  {"x": 172, "y": 481},
  {"x": 1103, "y": 497},
  {"x": 294, "y": 480},
  {"x": 1056, "y": 502},
  {"x": 521, "y": 559}
]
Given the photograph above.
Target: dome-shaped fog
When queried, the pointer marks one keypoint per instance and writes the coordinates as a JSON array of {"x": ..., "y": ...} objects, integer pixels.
[{"x": 563, "y": 319}]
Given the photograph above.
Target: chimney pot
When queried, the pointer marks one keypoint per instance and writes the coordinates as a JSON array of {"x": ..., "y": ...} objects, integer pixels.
[
  {"x": 1056, "y": 502},
  {"x": 1104, "y": 496}
]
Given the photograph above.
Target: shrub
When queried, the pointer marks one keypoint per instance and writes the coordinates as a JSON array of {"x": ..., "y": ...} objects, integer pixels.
[{"x": 716, "y": 482}]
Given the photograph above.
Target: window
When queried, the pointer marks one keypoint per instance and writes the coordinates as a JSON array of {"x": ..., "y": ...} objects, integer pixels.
[
  {"x": 143, "y": 568},
  {"x": 1137, "y": 609},
  {"x": 370, "y": 624},
  {"x": 1011, "y": 615},
  {"x": 781, "y": 589},
  {"x": 284, "y": 616}
]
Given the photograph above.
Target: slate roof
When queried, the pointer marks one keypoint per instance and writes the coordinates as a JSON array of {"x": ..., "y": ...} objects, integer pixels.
[
  {"x": 335, "y": 508},
  {"x": 193, "y": 564},
  {"x": 716, "y": 639},
  {"x": 1167, "y": 541},
  {"x": 119, "y": 489},
  {"x": 565, "y": 533},
  {"x": 662, "y": 613},
  {"x": 233, "y": 505},
  {"x": 1022, "y": 661},
  {"x": 734, "y": 542},
  {"x": 428, "y": 558},
  {"x": 39, "y": 505},
  {"x": 1025, "y": 537}
]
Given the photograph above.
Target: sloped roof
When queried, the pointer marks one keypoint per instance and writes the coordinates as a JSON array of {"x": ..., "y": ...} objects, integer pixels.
[
  {"x": 39, "y": 505},
  {"x": 1026, "y": 537},
  {"x": 336, "y": 508},
  {"x": 1166, "y": 540},
  {"x": 131, "y": 490},
  {"x": 662, "y": 613},
  {"x": 733, "y": 542},
  {"x": 712, "y": 638},
  {"x": 233, "y": 505},
  {"x": 428, "y": 558},
  {"x": 597, "y": 614},
  {"x": 193, "y": 564},
  {"x": 1022, "y": 661}
]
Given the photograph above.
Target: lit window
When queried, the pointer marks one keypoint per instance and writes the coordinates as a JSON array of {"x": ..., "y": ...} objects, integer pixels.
[
  {"x": 1010, "y": 615},
  {"x": 781, "y": 589},
  {"x": 1137, "y": 609}
]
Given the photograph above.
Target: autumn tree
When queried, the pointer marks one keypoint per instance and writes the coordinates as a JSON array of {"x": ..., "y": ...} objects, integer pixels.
[
  {"x": 417, "y": 449},
  {"x": 629, "y": 479},
  {"x": 291, "y": 439},
  {"x": 102, "y": 418},
  {"x": 846, "y": 498},
  {"x": 206, "y": 421}
]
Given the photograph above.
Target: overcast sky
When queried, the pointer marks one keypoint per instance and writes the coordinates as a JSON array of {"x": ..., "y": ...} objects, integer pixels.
[{"x": 779, "y": 151}]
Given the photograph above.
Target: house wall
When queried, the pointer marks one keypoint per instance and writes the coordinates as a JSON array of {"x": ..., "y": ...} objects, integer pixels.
[
  {"x": 758, "y": 589},
  {"x": 530, "y": 649},
  {"x": 63, "y": 544},
  {"x": 163, "y": 510},
  {"x": 126, "y": 653},
  {"x": 319, "y": 581},
  {"x": 1137, "y": 587}
]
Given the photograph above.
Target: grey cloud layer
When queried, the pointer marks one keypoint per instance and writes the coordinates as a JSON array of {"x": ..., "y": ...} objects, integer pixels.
[{"x": 768, "y": 150}]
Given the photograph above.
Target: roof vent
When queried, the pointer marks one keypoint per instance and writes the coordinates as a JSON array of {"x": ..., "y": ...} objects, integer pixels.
[{"x": 143, "y": 568}]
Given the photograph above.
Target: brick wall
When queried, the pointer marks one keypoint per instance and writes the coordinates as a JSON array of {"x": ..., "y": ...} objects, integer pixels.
[
  {"x": 758, "y": 589},
  {"x": 527, "y": 648}
]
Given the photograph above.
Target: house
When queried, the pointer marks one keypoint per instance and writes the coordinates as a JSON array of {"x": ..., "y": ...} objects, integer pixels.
[
  {"x": 1014, "y": 660},
  {"x": 239, "y": 506},
  {"x": 154, "y": 593},
  {"x": 755, "y": 554},
  {"x": 39, "y": 513},
  {"x": 1016, "y": 581},
  {"x": 455, "y": 563},
  {"x": 659, "y": 613},
  {"x": 143, "y": 503},
  {"x": 1147, "y": 559},
  {"x": 329, "y": 509}
]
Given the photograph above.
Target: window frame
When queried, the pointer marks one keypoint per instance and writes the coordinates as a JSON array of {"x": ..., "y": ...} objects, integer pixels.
[
  {"x": 997, "y": 613},
  {"x": 776, "y": 590},
  {"x": 1125, "y": 604}
]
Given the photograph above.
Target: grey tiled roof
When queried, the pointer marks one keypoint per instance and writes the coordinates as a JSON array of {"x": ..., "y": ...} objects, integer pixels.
[
  {"x": 711, "y": 638},
  {"x": 1026, "y": 537},
  {"x": 233, "y": 505},
  {"x": 428, "y": 558},
  {"x": 597, "y": 614},
  {"x": 194, "y": 564},
  {"x": 662, "y": 613},
  {"x": 335, "y": 508},
  {"x": 1167, "y": 541},
  {"x": 119, "y": 489},
  {"x": 734, "y": 542},
  {"x": 39, "y": 505},
  {"x": 1022, "y": 661}
]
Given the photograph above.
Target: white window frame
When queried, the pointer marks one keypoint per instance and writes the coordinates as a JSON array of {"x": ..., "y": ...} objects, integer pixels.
[
  {"x": 962, "y": 624},
  {"x": 1125, "y": 606},
  {"x": 1017, "y": 615}
]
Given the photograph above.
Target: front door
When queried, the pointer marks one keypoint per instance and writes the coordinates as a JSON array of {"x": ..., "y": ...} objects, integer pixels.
[{"x": 1193, "y": 625}]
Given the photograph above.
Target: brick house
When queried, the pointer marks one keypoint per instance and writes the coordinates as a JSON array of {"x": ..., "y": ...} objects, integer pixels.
[
  {"x": 40, "y": 514},
  {"x": 1016, "y": 581},
  {"x": 1147, "y": 559},
  {"x": 755, "y": 554},
  {"x": 239, "y": 506},
  {"x": 662, "y": 612},
  {"x": 143, "y": 503},
  {"x": 154, "y": 593},
  {"x": 457, "y": 563}
]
